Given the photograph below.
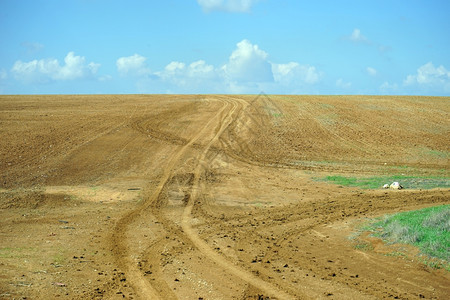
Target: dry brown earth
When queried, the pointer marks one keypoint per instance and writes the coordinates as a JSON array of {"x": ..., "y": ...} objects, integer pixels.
[{"x": 212, "y": 196}]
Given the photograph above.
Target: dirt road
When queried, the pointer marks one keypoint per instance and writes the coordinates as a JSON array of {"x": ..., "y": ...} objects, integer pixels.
[{"x": 212, "y": 196}]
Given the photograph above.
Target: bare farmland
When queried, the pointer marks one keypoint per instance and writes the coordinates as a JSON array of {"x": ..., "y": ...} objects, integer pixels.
[{"x": 212, "y": 196}]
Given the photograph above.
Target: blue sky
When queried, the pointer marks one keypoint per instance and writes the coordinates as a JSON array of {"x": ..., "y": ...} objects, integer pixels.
[{"x": 392, "y": 47}]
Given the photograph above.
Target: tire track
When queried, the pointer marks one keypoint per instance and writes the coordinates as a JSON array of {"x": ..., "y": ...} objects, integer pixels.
[
  {"x": 118, "y": 240},
  {"x": 201, "y": 245}
]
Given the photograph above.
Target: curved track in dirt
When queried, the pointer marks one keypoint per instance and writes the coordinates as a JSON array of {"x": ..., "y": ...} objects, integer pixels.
[
  {"x": 204, "y": 248},
  {"x": 119, "y": 240},
  {"x": 143, "y": 288}
]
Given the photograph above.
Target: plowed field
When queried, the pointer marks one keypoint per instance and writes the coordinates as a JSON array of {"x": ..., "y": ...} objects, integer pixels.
[{"x": 213, "y": 196}]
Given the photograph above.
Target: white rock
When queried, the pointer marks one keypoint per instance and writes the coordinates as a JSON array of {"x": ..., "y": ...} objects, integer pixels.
[{"x": 395, "y": 186}]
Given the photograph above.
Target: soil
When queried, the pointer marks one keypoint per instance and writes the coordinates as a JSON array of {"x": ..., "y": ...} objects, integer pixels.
[{"x": 213, "y": 196}]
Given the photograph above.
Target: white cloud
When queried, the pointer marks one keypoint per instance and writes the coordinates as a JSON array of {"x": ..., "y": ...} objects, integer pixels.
[
  {"x": 227, "y": 5},
  {"x": 248, "y": 63},
  {"x": 199, "y": 69},
  {"x": 428, "y": 80},
  {"x": 175, "y": 67},
  {"x": 357, "y": 37},
  {"x": 75, "y": 68},
  {"x": 134, "y": 65},
  {"x": 179, "y": 77},
  {"x": 174, "y": 73},
  {"x": 430, "y": 76},
  {"x": 36, "y": 70},
  {"x": 44, "y": 70},
  {"x": 248, "y": 70},
  {"x": 293, "y": 73},
  {"x": 340, "y": 83},
  {"x": 193, "y": 74},
  {"x": 371, "y": 71}
]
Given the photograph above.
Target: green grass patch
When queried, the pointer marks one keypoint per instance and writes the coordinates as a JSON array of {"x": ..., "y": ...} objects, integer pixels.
[
  {"x": 428, "y": 229},
  {"x": 408, "y": 182}
]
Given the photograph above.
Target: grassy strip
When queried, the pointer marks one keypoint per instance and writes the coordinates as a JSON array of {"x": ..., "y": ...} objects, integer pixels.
[
  {"x": 408, "y": 182},
  {"x": 428, "y": 229}
]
